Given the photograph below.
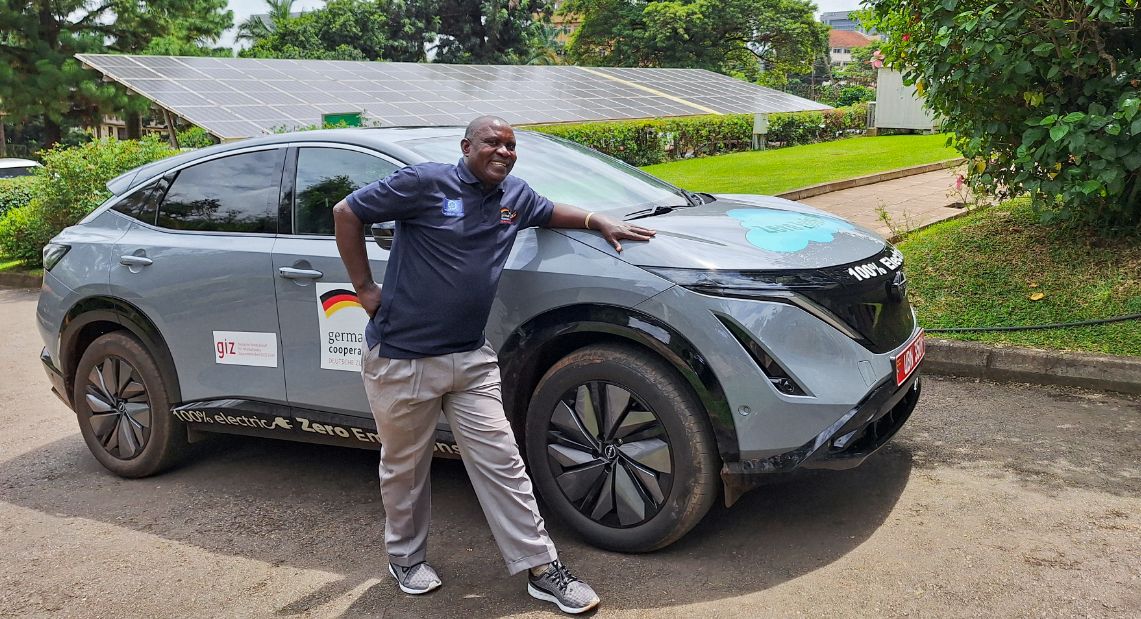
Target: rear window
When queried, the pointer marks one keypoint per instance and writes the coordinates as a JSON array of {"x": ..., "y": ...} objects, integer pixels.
[{"x": 238, "y": 193}]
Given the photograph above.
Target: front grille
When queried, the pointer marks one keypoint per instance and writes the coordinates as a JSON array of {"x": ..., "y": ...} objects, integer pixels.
[{"x": 869, "y": 306}]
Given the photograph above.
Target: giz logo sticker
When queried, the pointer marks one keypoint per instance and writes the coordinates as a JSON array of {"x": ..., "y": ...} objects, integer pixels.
[{"x": 245, "y": 348}]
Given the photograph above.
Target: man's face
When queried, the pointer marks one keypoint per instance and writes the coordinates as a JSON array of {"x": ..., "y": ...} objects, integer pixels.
[{"x": 490, "y": 154}]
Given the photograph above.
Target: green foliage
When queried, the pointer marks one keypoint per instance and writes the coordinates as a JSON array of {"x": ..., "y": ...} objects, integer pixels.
[
  {"x": 70, "y": 185},
  {"x": 841, "y": 95},
  {"x": 350, "y": 30},
  {"x": 39, "y": 75},
  {"x": 1042, "y": 94},
  {"x": 735, "y": 37},
  {"x": 465, "y": 31},
  {"x": 16, "y": 192},
  {"x": 646, "y": 142},
  {"x": 860, "y": 70},
  {"x": 195, "y": 137}
]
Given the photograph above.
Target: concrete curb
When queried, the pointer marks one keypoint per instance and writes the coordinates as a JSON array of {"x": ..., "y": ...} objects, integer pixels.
[
  {"x": 1031, "y": 365},
  {"x": 870, "y": 179},
  {"x": 20, "y": 280}
]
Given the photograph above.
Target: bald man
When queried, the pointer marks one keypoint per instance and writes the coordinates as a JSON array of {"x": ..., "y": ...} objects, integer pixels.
[{"x": 427, "y": 352}]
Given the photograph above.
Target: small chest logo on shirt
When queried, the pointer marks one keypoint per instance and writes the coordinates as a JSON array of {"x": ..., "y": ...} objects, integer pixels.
[
  {"x": 453, "y": 208},
  {"x": 506, "y": 215}
]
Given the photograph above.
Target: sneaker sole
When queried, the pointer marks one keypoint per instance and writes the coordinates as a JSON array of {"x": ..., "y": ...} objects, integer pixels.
[
  {"x": 409, "y": 590},
  {"x": 539, "y": 594}
]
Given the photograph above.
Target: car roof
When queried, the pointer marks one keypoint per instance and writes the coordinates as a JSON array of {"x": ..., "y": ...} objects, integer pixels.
[
  {"x": 384, "y": 139},
  {"x": 12, "y": 162}
]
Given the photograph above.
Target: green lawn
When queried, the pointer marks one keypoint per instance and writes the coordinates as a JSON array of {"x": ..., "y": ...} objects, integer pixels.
[
  {"x": 785, "y": 169},
  {"x": 982, "y": 270}
]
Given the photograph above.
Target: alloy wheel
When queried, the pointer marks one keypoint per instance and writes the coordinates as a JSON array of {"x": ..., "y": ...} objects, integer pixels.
[
  {"x": 120, "y": 408},
  {"x": 610, "y": 454}
]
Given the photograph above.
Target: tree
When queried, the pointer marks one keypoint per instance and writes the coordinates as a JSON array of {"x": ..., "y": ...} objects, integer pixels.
[
  {"x": 1042, "y": 95},
  {"x": 861, "y": 70},
  {"x": 39, "y": 76},
  {"x": 351, "y": 30},
  {"x": 490, "y": 31},
  {"x": 256, "y": 27},
  {"x": 778, "y": 37}
]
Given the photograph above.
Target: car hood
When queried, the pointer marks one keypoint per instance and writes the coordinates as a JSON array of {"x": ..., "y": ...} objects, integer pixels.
[{"x": 745, "y": 232}]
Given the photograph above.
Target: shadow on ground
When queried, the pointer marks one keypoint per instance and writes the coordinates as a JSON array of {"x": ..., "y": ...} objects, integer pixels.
[{"x": 316, "y": 507}]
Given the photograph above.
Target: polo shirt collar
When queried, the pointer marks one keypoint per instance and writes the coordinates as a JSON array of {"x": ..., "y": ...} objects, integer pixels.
[{"x": 467, "y": 177}]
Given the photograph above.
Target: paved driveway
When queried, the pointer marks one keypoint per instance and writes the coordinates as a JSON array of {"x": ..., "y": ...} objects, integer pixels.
[{"x": 995, "y": 500}]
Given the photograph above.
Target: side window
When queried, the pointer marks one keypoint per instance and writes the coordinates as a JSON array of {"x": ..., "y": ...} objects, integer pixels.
[
  {"x": 324, "y": 177},
  {"x": 142, "y": 204},
  {"x": 233, "y": 194}
]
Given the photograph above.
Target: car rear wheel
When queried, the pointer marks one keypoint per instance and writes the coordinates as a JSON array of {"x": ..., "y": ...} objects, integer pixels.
[
  {"x": 620, "y": 449},
  {"x": 123, "y": 408}
]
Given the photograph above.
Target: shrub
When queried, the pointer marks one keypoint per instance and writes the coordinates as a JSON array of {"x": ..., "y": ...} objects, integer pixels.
[
  {"x": 195, "y": 137},
  {"x": 1042, "y": 94},
  {"x": 71, "y": 184},
  {"x": 16, "y": 192},
  {"x": 646, "y": 142}
]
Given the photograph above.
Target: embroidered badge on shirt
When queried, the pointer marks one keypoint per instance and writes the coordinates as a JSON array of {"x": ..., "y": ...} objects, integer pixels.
[
  {"x": 453, "y": 208},
  {"x": 506, "y": 215}
]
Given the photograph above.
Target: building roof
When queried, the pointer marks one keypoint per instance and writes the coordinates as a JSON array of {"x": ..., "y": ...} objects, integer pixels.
[{"x": 847, "y": 38}]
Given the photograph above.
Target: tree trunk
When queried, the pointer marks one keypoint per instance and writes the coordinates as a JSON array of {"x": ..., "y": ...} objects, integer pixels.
[
  {"x": 134, "y": 126},
  {"x": 3, "y": 139},
  {"x": 52, "y": 132}
]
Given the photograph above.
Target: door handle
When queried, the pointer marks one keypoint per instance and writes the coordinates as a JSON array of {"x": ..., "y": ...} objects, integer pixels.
[
  {"x": 135, "y": 261},
  {"x": 291, "y": 273}
]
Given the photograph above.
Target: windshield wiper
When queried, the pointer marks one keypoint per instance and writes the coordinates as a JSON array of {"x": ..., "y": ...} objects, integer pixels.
[{"x": 653, "y": 212}]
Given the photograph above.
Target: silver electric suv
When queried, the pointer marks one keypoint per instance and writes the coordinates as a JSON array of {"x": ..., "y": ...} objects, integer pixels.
[{"x": 752, "y": 336}]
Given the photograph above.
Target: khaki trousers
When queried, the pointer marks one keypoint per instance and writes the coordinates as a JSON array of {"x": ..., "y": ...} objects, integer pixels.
[{"x": 406, "y": 397}]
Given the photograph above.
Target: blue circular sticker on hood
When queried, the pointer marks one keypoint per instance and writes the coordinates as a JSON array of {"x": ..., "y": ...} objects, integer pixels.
[{"x": 787, "y": 231}]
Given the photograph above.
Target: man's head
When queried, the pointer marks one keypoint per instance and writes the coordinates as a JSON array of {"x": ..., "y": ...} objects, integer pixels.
[{"x": 489, "y": 149}]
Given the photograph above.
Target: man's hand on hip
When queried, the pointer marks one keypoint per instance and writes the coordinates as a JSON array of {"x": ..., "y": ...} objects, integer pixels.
[{"x": 369, "y": 296}]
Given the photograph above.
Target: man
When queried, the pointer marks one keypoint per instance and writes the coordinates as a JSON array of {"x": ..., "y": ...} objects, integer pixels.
[{"x": 455, "y": 225}]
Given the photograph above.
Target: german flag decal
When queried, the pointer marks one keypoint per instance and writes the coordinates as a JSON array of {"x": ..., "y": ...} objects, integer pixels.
[{"x": 338, "y": 299}]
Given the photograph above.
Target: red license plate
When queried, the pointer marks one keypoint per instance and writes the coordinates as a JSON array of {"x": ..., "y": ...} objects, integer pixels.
[{"x": 909, "y": 358}]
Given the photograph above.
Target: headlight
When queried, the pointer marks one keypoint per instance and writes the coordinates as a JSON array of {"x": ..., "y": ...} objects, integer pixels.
[
  {"x": 53, "y": 253},
  {"x": 778, "y": 286}
]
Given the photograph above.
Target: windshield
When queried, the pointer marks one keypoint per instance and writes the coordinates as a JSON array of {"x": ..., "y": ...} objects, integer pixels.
[{"x": 568, "y": 173}]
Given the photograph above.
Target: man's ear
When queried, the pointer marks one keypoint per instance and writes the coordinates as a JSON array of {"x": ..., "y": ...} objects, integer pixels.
[{"x": 465, "y": 146}]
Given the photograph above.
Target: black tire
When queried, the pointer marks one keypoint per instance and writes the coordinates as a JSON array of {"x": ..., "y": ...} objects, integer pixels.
[
  {"x": 653, "y": 444},
  {"x": 123, "y": 408}
]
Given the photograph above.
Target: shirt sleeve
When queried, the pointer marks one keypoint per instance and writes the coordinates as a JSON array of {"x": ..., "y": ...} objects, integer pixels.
[
  {"x": 389, "y": 199},
  {"x": 536, "y": 209}
]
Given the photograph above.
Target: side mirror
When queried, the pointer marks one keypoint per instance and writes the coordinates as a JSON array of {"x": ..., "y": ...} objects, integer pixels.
[{"x": 383, "y": 234}]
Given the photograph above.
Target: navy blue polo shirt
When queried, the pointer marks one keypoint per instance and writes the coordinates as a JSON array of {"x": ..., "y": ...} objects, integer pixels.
[{"x": 452, "y": 240}]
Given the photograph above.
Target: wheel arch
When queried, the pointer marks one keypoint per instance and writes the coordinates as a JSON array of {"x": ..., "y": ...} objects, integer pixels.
[
  {"x": 95, "y": 316},
  {"x": 532, "y": 348}
]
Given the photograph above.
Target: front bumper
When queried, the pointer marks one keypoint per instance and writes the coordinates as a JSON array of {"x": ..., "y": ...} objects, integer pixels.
[
  {"x": 59, "y": 385},
  {"x": 843, "y": 445}
]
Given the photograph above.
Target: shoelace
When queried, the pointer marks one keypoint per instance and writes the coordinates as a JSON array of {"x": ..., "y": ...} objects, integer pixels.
[{"x": 561, "y": 575}]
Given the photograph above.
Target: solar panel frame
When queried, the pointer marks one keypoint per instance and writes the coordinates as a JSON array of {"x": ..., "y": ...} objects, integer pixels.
[{"x": 235, "y": 98}]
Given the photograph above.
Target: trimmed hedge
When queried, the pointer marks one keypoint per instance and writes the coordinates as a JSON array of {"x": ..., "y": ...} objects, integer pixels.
[
  {"x": 69, "y": 186},
  {"x": 16, "y": 192},
  {"x": 650, "y": 141}
]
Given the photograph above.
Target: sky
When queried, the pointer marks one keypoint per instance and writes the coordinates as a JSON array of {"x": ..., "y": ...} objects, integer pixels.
[{"x": 244, "y": 8}]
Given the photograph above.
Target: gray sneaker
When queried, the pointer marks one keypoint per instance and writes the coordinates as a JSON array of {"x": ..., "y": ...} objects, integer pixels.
[
  {"x": 558, "y": 585},
  {"x": 416, "y": 580}
]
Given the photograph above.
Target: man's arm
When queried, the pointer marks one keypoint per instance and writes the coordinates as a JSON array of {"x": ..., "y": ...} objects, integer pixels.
[
  {"x": 613, "y": 230},
  {"x": 351, "y": 245}
]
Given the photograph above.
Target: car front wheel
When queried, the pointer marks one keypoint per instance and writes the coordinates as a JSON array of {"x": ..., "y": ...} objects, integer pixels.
[
  {"x": 620, "y": 449},
  {"x": 123, "y": 408}
]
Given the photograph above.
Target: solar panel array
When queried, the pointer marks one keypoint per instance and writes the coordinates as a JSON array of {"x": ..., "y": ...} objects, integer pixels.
[{"x": 244, "y": 97}]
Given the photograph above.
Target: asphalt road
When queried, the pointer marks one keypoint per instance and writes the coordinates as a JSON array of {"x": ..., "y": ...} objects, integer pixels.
[{"x": 995, "y": 500}]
